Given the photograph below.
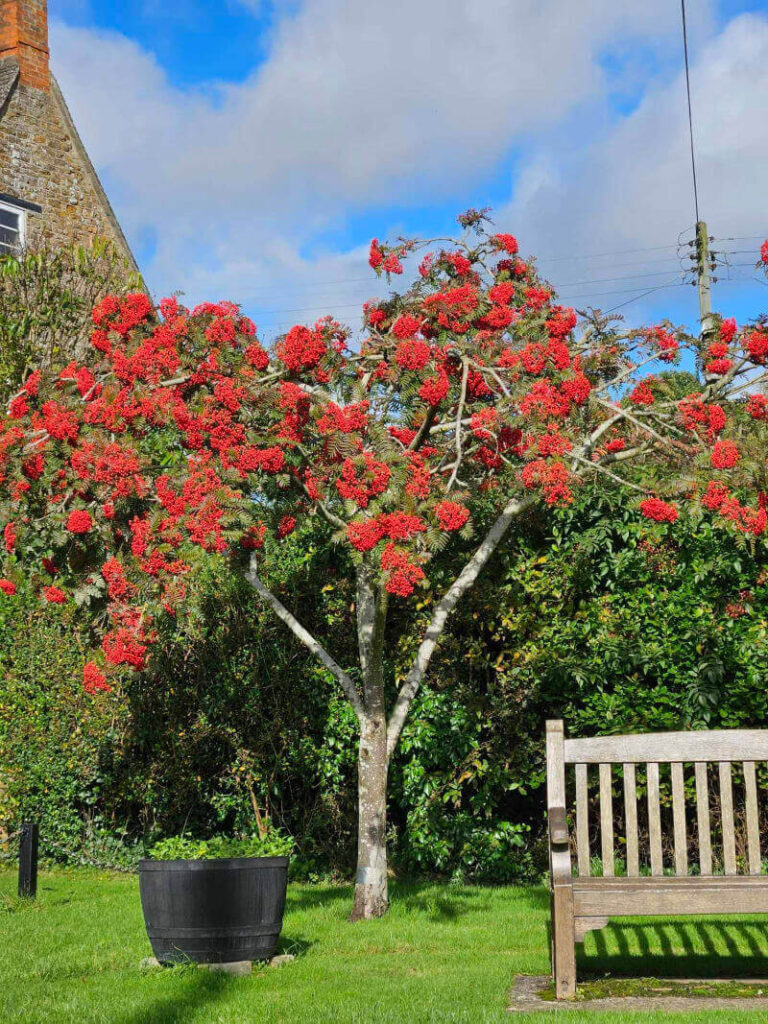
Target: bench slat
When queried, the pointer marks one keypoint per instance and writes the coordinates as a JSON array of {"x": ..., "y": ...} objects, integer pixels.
[
  {"x": 630, "y": 897},
  {"x": 726, "y": 818},
  {"x": 702, "y": 818},
  {"x": 654, "y": 819},
  {"x": 630, "y": 819},
  {"x": 751, "y": 883},
  {"x": 582, "y": 820},
  {"x": 723, "y": 745},
  {"x": 753, "y": 824},
  {"x": 606, "y": 820},
  {"x": 678, "y": 813}
]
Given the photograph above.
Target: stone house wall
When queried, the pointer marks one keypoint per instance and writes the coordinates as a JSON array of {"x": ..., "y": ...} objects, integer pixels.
[{"x": 43, "y": 163}]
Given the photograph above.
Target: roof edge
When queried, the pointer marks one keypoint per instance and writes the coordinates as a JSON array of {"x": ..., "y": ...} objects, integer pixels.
[
  {"x": 90, "y": 170},
  {"x": 9, "y": 79}
]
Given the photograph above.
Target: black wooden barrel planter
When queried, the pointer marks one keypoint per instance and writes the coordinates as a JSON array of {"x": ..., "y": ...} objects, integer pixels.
[{"x": 213, "y": 911}]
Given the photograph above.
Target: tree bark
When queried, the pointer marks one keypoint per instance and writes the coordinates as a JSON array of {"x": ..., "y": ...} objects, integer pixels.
[
  {"x": 371, "y": 896},
  {"x": 371, "y": 899}
]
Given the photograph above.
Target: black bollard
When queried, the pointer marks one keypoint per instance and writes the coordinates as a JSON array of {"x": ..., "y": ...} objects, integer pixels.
[{"x": 28, "y": 860}]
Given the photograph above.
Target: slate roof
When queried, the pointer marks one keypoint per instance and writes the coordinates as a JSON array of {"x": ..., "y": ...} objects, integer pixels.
[{"x": 9, "y": 76}]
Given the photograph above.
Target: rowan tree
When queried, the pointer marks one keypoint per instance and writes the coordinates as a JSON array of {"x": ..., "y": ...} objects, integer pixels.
[{"x": 470, "y": 397}]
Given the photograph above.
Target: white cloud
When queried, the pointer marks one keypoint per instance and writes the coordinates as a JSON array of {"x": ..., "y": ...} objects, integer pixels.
[
  {"x": 633, "y": 188},
  {"x": 361, "y": 104}
]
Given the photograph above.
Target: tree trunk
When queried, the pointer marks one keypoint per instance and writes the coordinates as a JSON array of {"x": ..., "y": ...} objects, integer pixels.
[{"x": 371, "y": 897}]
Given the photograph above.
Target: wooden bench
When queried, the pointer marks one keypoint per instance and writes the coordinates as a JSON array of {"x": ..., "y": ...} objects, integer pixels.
[{"x": 673, "y": 763}]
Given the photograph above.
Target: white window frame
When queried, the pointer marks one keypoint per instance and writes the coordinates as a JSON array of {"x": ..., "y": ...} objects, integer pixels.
[{"x": 22, "y": 215}]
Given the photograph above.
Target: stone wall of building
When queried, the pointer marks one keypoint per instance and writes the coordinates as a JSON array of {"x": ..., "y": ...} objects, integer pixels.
[{"x": 42, "y": 161}]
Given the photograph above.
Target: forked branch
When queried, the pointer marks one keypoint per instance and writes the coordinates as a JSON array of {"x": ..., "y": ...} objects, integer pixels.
[
  {"x": 463, "y": 582},
  {"x": 345, "y": 681}
]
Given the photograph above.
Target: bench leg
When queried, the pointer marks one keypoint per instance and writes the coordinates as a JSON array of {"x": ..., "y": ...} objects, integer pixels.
[{"x": 563, "y": 942}]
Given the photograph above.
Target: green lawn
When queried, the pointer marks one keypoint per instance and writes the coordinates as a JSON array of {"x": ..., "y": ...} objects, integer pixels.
[{"x": 444, "y": 953}]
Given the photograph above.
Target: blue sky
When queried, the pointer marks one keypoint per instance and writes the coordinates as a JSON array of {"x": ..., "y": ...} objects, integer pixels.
[
  {"x": 195, "y": 41},
  {"x": 252, "y": 147}
]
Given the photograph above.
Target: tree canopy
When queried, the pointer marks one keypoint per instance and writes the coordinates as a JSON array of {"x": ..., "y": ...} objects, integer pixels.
[{"x": 470, "y": 397}]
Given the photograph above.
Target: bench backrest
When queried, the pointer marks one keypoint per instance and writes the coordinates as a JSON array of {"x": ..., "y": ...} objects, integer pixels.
[{"x": 694, "y": 767}]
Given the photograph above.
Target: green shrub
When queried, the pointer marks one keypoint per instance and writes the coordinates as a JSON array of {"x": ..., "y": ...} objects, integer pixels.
[
  {"x": 58, "y": 747},
  {"x": 600, "y": 622},
  {"x": 272, "y": 843},
  {"x": 46, "y": 298}
]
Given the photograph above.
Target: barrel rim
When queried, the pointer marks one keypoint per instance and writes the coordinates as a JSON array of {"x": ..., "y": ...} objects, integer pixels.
[{"x": 203, "y": 864}]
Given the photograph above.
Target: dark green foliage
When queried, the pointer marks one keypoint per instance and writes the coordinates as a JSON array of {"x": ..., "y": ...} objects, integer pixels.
[
  {"x": 592, "y": 614},
  {"x": 58, "y": 747},
  {"x": 597, "y": 618}
]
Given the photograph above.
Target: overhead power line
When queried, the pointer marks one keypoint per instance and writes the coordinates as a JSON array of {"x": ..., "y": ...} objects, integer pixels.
[
  {"x": 609, "y": 280},
  {"x": 690, "y": 111},
  {"x": 601, "y": 255},
  {"x": 650, "y": 291},
  {"x": 566, "y": 284},
  {"x": 272, "y": 324},
  {"x": 702, "y": 256},
  {"x": 371, "y": 279}
]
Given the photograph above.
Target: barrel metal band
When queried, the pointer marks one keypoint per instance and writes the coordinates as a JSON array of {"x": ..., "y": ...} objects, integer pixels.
[{"x": 213, "y": 933}]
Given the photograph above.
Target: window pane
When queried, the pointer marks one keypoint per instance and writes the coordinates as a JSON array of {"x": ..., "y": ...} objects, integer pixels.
[
  {"x": 9, "y": 219},
  {"x": 8, "y": 237}
]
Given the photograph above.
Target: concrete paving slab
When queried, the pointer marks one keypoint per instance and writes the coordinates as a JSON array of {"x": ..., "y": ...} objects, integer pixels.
[{"x": 527, "y": 991}]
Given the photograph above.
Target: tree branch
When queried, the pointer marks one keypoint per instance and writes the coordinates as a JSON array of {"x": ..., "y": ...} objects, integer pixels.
[
  {"x": 626, "y": 415},
  {"x": 615, "y": 381},
  {"x": 614, "y": 476},
  {"x": 595, "y": 436},
  {"x": 345, "y": 681},
  {"x": 457, "y": 436},
  {"x": 446, "y": 605},
  {"x": 425, "y": 429},
  {"x": 490, "y": 370}
]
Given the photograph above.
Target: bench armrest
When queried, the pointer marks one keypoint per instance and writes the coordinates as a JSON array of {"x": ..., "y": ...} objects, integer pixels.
[{"x": 558, "y": 827}]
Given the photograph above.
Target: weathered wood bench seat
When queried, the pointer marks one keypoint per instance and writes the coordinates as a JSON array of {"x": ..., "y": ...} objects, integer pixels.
[{"x": 653, "y": 767}]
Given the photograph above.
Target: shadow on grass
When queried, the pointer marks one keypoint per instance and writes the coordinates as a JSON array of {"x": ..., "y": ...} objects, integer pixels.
[
  {"x": 293, "y": 945},
  {"x": 440, "y": 902},
  {"x": 677, "y": 949},
  {"x": 437, "y": 900},
  {"x": 318, "y": 896},
  {"x": 537, "y": 897},
  {"x": 176, "y": 1007}
]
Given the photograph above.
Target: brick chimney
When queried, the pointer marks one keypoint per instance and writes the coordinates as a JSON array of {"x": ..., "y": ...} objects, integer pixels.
[{"x": 24, "y": 35}]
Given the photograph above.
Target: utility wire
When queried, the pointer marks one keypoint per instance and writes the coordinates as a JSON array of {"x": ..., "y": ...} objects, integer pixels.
[
  {"x": 267, "y": 324},
  {"x": 557, "y": 259},
  {"x": 608, "y": 280},
  {"x": 566, "y": 284},
  {"x": 600, "y": 255},
  {"x": 690, "y": 113},
  {"x": 650, "y": 291},
  {"x": 315, "y": 285},
  {"x": 312, "y": 286},
  {"x": 266, "y": 316}
]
